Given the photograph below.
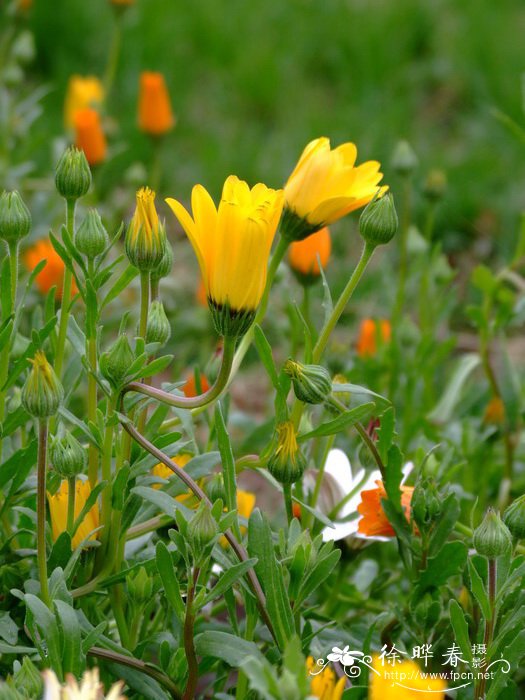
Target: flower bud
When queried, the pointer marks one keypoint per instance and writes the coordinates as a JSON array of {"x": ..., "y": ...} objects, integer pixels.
[
  {"x": 115, "y": 363},
  {"x": 68, "y": 457},
  {"x": 202, "y": 528},
  {"x": 514, "y": 518},
  {"x": 145, "y": 237},
  {"x": 42, "y": 392},
  {"x": 287, "y": 463},
  {"x": 158, "y": 329},
  {"x": 378, "y": 222},
  {"x": 311, "y": 383},
  {"x": 404, "y": 159},
  {"x": 91, "y": 238},
  {"x": 27, "y": 679},
  {"x": 215, "y": 488},
  {"x": 425, "y": 504},
  {"x": 435, "y": 185},
  {"x": 492, "y": 538},
  {"x": 163, "y": 269},
  {"x": 140, "y": 586},
  {"x": 72, "y": 175},
  {"x": 15, "y": 219}
]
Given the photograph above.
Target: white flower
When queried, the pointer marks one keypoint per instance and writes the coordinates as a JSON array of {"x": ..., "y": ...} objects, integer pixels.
[{"x": 90, "y": 688}]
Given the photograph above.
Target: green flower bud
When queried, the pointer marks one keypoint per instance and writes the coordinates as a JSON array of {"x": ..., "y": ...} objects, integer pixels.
[
  {"x": 42, "y": 392},
  {"x": 215, "y": 488},
  {"x": 91, "y": 238},
  {"x": 72, "y": 175},
  {"x": 114, "y": 363},
  {"x": 425, "y": 503},
  {"x": 140, "y": 586},
  {"x": 158, "y": 329},
  {"x": 7, "y": 693},
  {"x": 404, "y": 159},
  {"x": 514, "y": 518},
  {"x": 311, "y": 383},
  {"x": 378, "y": 222},
  {"x": 492, "y": 538},
  {"x": 145, "y": 237},
  {"x": 287, "y": 463},
  {"x": 163, "y": 269},
  {"x": 27, "y": 679},
  {"x": 435, "y": 185},
  {"x": 202, "y": 529},
  {"x": 15, "y": 219},
  {"x": 68, "y": 457}
]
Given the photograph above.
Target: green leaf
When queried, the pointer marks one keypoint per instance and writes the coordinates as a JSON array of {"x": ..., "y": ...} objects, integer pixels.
[
  {"x": 72, "y": 657},
  {"x": 265, "y": 353},
  {"x": 226, "y": 647},
  {"x": 269, "y": 572},
  {"x": 228, "y": 578},
  {"x": 450, "y": 512},
  {"x": 318, "y": 574},
  {"x": 385, "y": 433},
  {"x": 154, "y": 367},
  {"x": 170, "y": 581},
  {"x": 120, "y": 285},
  {"x": 339, "y": 424},
  {"x": 460, "y": 627},
  {"x": 478, "y": 589},
  {"x": 442, "y": 412},
  {"x": 449, "y": 562},
  {"x": 43, "y": 627},
  {"x": 228, "y": 463}
]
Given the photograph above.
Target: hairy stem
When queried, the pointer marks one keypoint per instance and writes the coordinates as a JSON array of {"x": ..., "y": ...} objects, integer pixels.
[
  {"x": 41, "y": 511},
  {"x": 66, "y": 295}
]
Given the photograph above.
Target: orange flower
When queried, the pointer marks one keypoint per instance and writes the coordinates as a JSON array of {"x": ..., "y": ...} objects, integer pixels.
[
  {"x": 304, "y": 256},
  {"x": 495, "y": 411},
  {"x": 89, "y": 135},
  {"x": 190, "y": 389},
  {"x": 155, "y": 113},
  {"x": 368, "y": 336},
  {"x": 52, "y": 274},
  {"x": 374, "y": 522}
]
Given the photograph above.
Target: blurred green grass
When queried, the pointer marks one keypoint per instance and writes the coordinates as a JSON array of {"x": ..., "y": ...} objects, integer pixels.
[{"x": 252, "y": 82}]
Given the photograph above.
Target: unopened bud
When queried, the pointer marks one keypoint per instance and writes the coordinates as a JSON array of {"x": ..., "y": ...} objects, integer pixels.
[
  {"x": 404, "y": 159},
  {"x": 158, "y": 329},
  {"x": 68, "y": 457},
  {"x": 163, "y": 269},
  {"x": 72, "y": 175},
  {"x": 215, "y": 488},
  {"x": 492, "y": 538},
  {"x": 140, "y": 587},
  {"x": 435, "y": 185},
  {"x": 378, "y": 222},
  {"x": 27, "y": 679},
  {"x": 287, "y": 463},
  {"x": 114, "y": 363},
  {"x": 514, "y": 518},
  {"x": 311, "y": 383},
  {"x": 202, "y": 528},
  {"x": 15, "y": 219},
  {"x": 42, "y": 392},
  {"x": 91, "y": 238},
  {"x": 425, "y": 504}
]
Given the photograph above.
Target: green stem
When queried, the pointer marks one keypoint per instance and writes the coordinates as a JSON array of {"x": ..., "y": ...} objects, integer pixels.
[
  {"x": 66, "y": 295},
  {"x": 319, "y": 479},
  {"x": 343, "y": 300},
  {"x": 490, "y": 623},
  {"x": 287, "y": 493},
  {"x": 91, "y": 353},
  {"x": 4, "y": 355},
  {"x": 194, "y": 401},
  {"x": 403, "y": 250},
  {"x": 107, "y": 451},
  {"x": 13, "y": 268},
  {"x": 41, "y": 511},
  {"x": 71, "y": 493},
  {"x": 189, "y": 644},
  {"x": 144, "y": 303}
]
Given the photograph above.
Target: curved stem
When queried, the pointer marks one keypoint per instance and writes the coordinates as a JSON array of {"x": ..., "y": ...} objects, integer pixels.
[
  {"x": 237, "y": 547},
  {"x": 66, "y": 295},
  {"x": 343, "y": 300},
  {"x": 189, "y": 402},
  {"x": 41, "y": 511},
  {"x": 139, "y": 665}
]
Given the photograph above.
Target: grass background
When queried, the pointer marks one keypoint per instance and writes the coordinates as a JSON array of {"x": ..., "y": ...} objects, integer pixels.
[{"x": 252, "y": 82}]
